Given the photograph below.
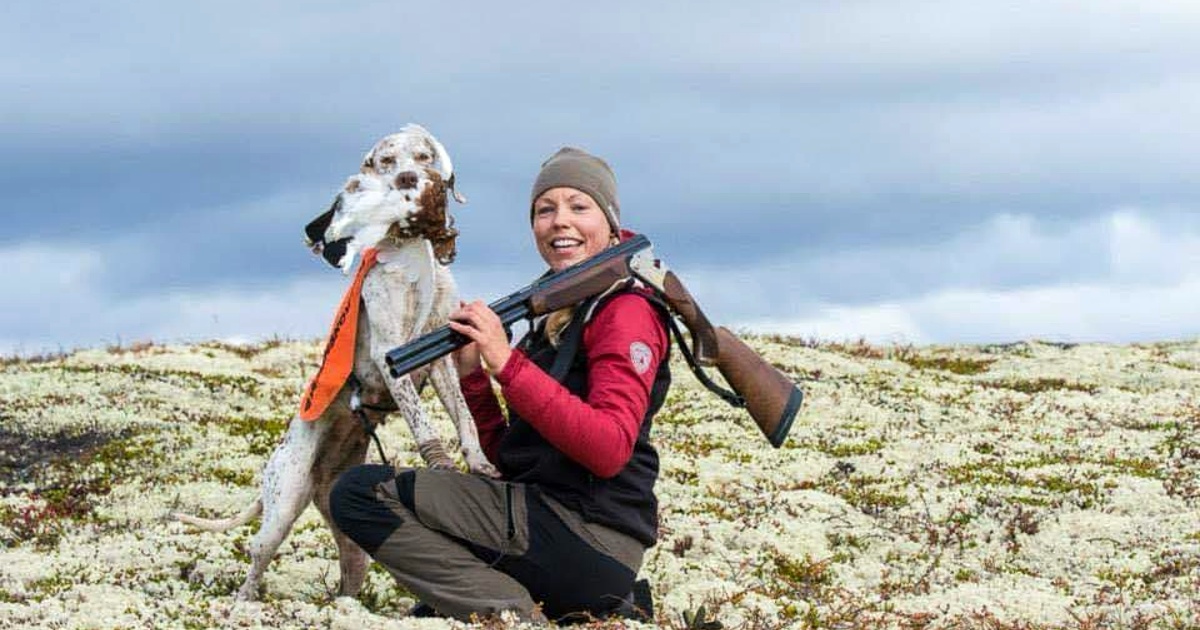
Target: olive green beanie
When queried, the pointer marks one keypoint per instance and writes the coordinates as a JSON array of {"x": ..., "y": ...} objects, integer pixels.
[{"x": 578, "y": 169}]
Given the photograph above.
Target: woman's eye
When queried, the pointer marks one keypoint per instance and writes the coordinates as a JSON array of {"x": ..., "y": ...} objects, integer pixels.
[{"x": 545, "y": 210}]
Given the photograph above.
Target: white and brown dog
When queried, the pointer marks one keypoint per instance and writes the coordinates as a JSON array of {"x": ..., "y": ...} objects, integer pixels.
[{"x": 397, "y": 204}]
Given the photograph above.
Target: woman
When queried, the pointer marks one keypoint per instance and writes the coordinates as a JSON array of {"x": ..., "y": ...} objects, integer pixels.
[{"x": 564, "y": 531}]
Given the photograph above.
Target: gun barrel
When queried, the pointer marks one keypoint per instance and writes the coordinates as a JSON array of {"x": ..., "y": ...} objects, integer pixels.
[
  {"x": 546, "y": 294},
  {"x": 442, "y": 341},
  {"x": 422, "y": 350}
]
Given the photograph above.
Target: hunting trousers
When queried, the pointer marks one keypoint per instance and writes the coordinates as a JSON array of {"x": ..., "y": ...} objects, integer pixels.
[{"x": 468, "y": 545}]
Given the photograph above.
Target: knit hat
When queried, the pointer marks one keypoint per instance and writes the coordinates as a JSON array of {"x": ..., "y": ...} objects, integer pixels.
[{"x": 580, "y": 170}]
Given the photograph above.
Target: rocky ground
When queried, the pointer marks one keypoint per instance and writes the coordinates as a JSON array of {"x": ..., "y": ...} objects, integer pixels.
[{"x": 1030, "y": 485}]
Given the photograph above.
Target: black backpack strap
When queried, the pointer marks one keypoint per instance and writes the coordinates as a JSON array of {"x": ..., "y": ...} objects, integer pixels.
[
  {"x": 569, "y": 342},
  {"x": 573, "y": 337}
]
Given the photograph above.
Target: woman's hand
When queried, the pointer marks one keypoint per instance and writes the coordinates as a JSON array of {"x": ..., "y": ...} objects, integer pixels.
[{"x": 489, "y": 344}]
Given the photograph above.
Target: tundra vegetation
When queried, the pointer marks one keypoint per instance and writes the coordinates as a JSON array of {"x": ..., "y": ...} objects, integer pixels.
[{"x": 1019, "y": 486}]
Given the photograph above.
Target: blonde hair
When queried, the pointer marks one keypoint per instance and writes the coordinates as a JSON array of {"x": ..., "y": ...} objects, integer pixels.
[{"x": 556, "y": 323}]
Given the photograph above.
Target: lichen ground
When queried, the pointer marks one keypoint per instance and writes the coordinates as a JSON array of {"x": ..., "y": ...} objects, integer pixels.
[{"x": 1029, "y": 485}]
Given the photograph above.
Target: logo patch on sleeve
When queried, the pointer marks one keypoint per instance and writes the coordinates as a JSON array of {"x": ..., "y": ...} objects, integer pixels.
[{"x": 640, "y": 355}]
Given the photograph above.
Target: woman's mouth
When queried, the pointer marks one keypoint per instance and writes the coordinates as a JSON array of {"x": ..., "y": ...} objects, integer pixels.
[{"x": 564, "y": 245}]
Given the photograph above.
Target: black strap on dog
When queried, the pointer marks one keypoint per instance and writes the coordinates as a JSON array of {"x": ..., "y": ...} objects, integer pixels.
[{"x": 358, "y": 409}]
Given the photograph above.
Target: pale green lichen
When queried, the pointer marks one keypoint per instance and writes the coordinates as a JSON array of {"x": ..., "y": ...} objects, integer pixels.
[{"x": 1031, "y": 485}]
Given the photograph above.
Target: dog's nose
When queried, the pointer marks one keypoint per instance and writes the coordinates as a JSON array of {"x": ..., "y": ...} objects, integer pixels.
[{"x": 406, "y": 180}]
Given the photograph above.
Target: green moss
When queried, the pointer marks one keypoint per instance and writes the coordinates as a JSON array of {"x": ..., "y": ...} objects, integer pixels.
[
  {"x": 1037, "y": 386},
  {"x": 1028, "y": 500},
  {"x": 214, "y": 383},
  {"x": 232, "y": 477},
  {"x": 860, "y": 349},
  {"x": 261, "y": 434},
  {"x": 1036, "y": 489},
  {"x": 851, "y": 449},
  {"x": 805, "y": 573},
  {"x": 243, "y": 351},
  {"x": 956, "y": 365},
  {"x": 870, "y": 494},
  {"x": 50, "y": 586},
  {"x": 984, "y": 448},
  {"x": 1143, "y": 467}
]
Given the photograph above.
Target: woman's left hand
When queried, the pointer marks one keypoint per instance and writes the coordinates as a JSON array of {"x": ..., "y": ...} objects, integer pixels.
[{"x": 482, "y": 325}]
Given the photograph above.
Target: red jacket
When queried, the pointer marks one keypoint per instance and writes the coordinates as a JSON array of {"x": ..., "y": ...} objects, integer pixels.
[{"x": 624, "y": 341}]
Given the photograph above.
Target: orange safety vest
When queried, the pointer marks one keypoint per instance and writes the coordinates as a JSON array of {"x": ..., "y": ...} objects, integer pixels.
[{"x": 338, "y": 360}]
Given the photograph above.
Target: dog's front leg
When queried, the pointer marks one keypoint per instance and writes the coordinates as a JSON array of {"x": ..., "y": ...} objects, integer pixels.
[
  {"x": 445, "y": 383},
  {"x": 429, "y": 444}
]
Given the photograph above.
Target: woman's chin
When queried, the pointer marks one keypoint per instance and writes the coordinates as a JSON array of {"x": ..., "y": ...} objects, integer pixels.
[{"x": 560, "y": 263}]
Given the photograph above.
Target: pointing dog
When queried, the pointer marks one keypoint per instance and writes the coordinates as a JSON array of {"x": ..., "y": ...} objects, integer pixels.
[{"x": 393, "y": 215}]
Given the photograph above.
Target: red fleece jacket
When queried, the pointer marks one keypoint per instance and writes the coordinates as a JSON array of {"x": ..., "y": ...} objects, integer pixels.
[{"x": 599, "y": 432}]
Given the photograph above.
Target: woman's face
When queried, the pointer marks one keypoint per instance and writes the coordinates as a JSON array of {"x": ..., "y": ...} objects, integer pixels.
[{"x": 568, "y": 227}]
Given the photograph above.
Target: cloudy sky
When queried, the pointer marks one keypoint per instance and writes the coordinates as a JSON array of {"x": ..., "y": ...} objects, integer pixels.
[{"x": 914, "y": 172}]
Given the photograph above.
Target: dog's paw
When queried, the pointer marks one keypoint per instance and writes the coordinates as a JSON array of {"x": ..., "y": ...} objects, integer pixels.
[
  {"x": 443, "y": 464},
  {"x": 478, "y": 464}
]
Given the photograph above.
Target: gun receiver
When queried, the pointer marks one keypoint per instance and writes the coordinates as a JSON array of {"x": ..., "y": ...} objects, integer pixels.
[{"x": 769, "y": 395}]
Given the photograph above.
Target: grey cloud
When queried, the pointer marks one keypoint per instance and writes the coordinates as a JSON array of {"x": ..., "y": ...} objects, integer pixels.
[
  {"x": 1127, "y": 248},
  {"x": 837, "y": 147}
]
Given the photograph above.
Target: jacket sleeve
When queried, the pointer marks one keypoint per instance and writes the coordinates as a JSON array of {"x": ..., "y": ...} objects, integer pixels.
[
  {"x": 490, "y": 422},
  {"x": 624, "y": 341}
]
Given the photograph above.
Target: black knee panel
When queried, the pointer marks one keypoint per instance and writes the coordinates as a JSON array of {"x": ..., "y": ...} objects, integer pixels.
[
  {"x": 357, "y": 512},
  {"x": 406, "y": 489}
]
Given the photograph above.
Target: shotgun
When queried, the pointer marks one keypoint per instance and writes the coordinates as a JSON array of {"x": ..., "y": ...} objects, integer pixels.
[{"x": 771, "y": 398}]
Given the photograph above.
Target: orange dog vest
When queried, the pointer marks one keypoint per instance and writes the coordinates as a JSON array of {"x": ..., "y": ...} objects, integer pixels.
[{"x": 338, "y": 359}]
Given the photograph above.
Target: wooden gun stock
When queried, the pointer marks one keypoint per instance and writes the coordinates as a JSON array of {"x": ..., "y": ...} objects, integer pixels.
[
  {"x": 771, "y": 397},
  {"x": 768, "y": 394}
]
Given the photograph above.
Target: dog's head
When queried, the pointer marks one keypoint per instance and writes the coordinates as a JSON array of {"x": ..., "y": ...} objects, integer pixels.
[{"x": 400, "y": 191}]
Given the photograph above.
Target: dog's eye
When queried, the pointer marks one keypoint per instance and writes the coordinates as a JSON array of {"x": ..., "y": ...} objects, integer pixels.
[
  {"x": 424, "y": 157},
  {"x": 387, "y": 160}
]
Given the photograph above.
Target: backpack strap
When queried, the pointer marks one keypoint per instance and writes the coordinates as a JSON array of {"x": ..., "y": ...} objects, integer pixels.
[{"x": 573, "y": 337}]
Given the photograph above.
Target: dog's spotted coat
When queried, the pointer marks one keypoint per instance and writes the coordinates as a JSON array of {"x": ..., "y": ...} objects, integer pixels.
[{"x": 398, "y": 204}]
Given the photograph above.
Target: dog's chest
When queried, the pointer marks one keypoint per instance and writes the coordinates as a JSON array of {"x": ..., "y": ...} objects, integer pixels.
[
  {"x": 398, "y": 292},
  {"x": 410, "y": 263}
]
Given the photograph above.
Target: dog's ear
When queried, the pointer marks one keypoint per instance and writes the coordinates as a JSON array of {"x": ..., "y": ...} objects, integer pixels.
[
  {"x": 368, "y": 163},
  {"x": 447, "y": 167}
]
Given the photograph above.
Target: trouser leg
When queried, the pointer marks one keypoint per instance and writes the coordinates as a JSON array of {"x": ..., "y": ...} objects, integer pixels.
[
  {"x": 435, "y": 566},
  {"x": 465, "y": 544}
]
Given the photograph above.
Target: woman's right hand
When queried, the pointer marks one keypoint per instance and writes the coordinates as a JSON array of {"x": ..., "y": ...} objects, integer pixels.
[
  {"x": 466, "y": 358},
  {"x": 480, "y": 323}
]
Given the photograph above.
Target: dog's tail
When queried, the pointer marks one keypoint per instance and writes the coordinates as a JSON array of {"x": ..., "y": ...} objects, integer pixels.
[{"x": 215, "y": 525}]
